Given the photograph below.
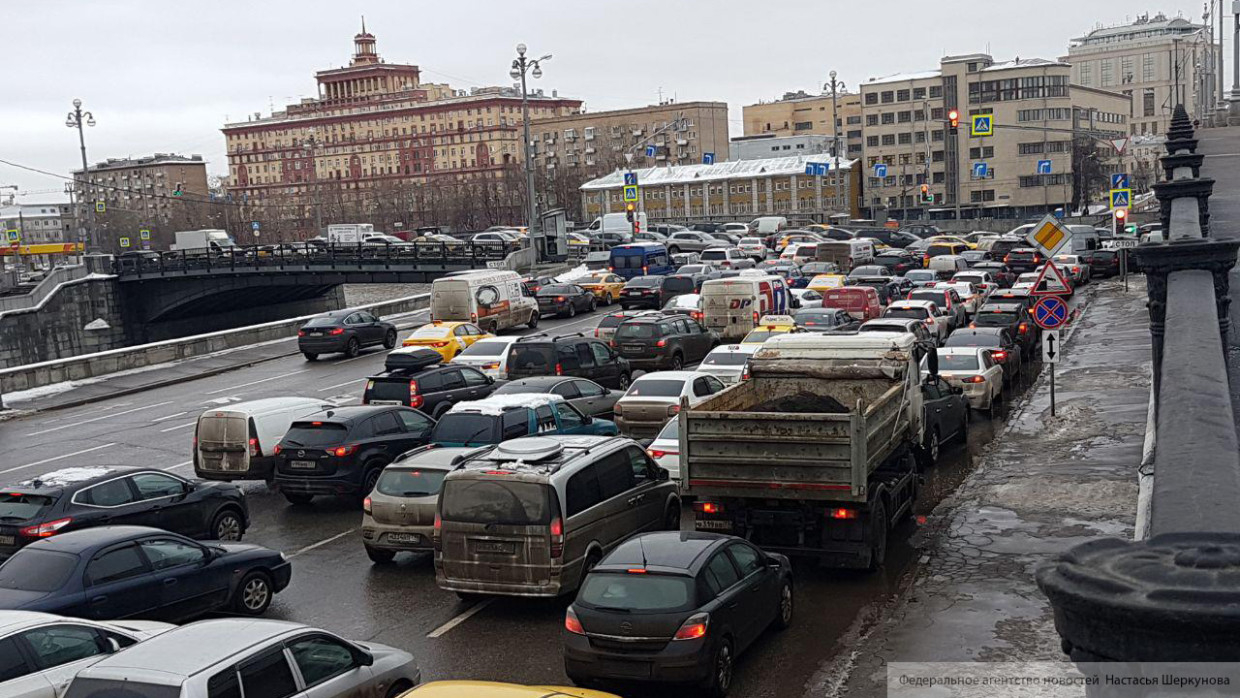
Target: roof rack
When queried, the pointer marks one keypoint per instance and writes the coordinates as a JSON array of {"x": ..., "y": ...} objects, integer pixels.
[{"x": 544, "y": 336}]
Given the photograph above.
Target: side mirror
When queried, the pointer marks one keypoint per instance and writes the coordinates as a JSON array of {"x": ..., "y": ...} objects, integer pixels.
[
  {"x": 113, "y": 645},
  {"x": 490, "y": 380},
  {"x": 587, "y": 419},
  {"x": 364, "y": 658},
  {"x": 774, "y": 562},
  {"x": 662, "y": 474}
]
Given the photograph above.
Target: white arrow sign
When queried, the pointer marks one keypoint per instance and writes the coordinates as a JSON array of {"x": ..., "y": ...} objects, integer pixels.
[{"x": 1051, "y": 349}]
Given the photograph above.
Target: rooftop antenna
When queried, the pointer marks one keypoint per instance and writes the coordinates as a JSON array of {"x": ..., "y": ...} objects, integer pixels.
[
  {"x": 363, "y": 24},
  {"x": 641, "y": 544}
]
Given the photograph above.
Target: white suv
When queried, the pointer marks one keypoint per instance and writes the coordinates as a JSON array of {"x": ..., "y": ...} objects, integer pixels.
[{"x": 727, "y": 258}]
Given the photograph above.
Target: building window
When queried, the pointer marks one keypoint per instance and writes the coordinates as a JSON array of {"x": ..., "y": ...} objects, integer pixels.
[
  {"x": 889, "y": 139},
  {"x": 936, "y": 136},
  {"x": 871, "y": 119},
  {"x": 1031, "y": 148},
  {"x": 870, "y": 98},
  {"x": 1087, "y": 73},
  {"x": 802, "y": 126},
  {"x": 853, "y": 120},
  {"x": 1147, "y": 102},
  {"x": 1147, "y": 67},
  {"x": 919, "y": 93},
  {"x": 1125, "y": 70},
  {"x": 902, "y": 95},
  {"x": 904, "y": 117},
  {"x": 888, "y": 97},
  {"x": 936, "y": 91},
  {"x": 981, "y": 196},
  {"x": 940, "y": 177},
  {"x": 904, "y": 138},
  {"x": 982, "y": 152},
  {"x": 854, "y": 134},
  {"x": 936, "y": 114},
  {"x": 920, "y": 137},
  {"x": 1108, "y": 77},
  {"x": 871, "y": 141},
  {"x": 889, "y": 117}
]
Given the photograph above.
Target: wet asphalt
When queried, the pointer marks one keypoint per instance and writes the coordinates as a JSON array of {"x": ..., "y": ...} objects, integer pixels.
[{"x": 336, "y": 587}]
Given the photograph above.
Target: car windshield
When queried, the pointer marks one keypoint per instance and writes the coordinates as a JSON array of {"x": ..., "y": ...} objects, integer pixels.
[
  {"x": 481, "y": 349},
  {"x": 725, "y": 357},
  {"x": 656, "y": 387},
  {"x": 645, "y": 282},
  {"x": 495, "y": 502},
  {"x": 933, "y": 296},
  {"x": 910, "y": 313},
  {"x": 637, "y": 330},
  {"x": 31, "y": 569},
  {"x": 322, "y": 322},
  {"x": 16, "y": 507},
  {"x": 400, "y": 482},
  {"x": 751, "y": 241},
  {"x": 939, "y": 250},
  {"x": 957, "y": 362},
  {"x": 659, "y": 593},
  {"x": 813, "y": 316},
  {"x": 466, "y": 428},
  {"x": 315, "y": 434}
]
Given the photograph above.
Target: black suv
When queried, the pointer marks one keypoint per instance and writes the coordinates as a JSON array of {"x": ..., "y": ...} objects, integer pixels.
[
  {"x": 418, "y": 378},
  {"x": 568, "y": 355},
  {"x": 1023, "y": 260},
  {"x": 642, "y": 292},
  {"x": 76, "y": 498},
  {"x": 1013, "y": 316},
  {"x": 654, "y": 342},
  {"x": 341, "y": 451}
]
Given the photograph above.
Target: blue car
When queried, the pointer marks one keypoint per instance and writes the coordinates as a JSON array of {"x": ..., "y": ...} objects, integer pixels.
[
  {"x": 114, "y": 572},
  {"x": 502, "y": 417}
]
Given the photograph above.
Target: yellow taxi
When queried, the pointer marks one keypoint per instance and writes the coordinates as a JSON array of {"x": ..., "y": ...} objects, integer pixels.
[
  {"x": 604, "y": 285},
  {"x": 489, "y": 689},
  {"x": 826, "y": 282},
  {"x": 804, "y": 238},
  {"x": 953, "y": 239},
  {"x": 446, "y": 338},
  {"x": 769, "y": 326}
]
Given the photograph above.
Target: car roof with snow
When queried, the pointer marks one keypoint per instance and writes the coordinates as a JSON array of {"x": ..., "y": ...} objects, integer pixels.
[
  {"x": 71, "y": 477},
  {"x": 496, "y": 405}
]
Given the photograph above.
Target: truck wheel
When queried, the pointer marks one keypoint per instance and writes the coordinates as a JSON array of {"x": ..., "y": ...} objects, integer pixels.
[
  {"x": 878, "y": 536},
  {"x": 533, "y": 323}
]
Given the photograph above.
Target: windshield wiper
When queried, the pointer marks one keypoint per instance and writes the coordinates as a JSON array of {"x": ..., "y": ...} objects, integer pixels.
[
  {"x": 291, "y": 442},
  {"x": 613, "y": 608}
]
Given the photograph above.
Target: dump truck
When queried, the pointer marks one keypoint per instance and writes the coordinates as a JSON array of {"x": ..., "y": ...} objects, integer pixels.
[{"x": 814, "y": 455}]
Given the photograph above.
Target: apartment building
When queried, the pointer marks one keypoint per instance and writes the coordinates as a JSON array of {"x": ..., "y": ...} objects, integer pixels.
[
  {"x": 1158, "y": 61},
  {"x": 799, "y": 113},
  {"x": 735, "y": 190},
  {"x": 38, "y": 224},
  {"x": 147, "y": 187},
  {"x": 1024, "y": 168},
  {"x": 768, "y": 145}
]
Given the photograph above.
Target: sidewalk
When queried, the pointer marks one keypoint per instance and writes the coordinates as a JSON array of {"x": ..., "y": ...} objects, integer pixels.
[{"x": 1044, "y": 485}]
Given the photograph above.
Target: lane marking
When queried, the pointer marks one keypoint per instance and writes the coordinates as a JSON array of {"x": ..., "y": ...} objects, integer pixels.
[
  {"x": 167, "y": 417},
  {"x": 96, "y": 419},
  {"x": 264, "y": 380},
  {"x": 56, "y": 458},
  {"x": 179, "y": 465},
  {"x": 179, "y": 426},
  {"x": 84, "y": 413},
  {"x": 341, "y": 385},
  {"x": 321, "y": 543},
  {"x": 466, "y": 615}
]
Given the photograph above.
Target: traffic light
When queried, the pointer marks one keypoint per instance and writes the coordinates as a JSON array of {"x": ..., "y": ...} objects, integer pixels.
[
  {"x": 1121, "y": 216},
  {"x": 177, "y": 192},
  {"x": 630, "y": 212},
  {"x": 926, "y": 196},
  {"x": 953, "y": 119}
]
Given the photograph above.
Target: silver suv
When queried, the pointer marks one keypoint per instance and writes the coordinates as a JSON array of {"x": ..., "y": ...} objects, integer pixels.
[
  {"x": 692, "y": 241},
  {"x": 531, "y": 516}
]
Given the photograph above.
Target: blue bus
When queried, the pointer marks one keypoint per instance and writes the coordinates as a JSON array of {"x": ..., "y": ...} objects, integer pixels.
[{"x": 641, "y": 259}]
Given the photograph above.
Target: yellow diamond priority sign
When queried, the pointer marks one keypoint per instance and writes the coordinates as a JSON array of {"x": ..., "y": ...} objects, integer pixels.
[{"x": 1049, "y": 236}]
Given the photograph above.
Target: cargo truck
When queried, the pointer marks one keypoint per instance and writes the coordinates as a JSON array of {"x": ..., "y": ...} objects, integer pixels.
[
  {"x": 349, "y": 233},
  {"x": 203, "y": 240},
  {"x": 814, "y": 454}
]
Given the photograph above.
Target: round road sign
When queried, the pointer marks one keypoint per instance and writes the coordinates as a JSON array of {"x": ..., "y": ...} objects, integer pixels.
[{"x": 1051, "y": 313}]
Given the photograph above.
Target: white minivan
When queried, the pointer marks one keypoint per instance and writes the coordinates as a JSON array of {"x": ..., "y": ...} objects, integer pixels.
[
  {"x": 238, "y": 441},
  {"x": 492, "y": 300},
  {"x": 616, "y": 223},
  {"x": 768, "y": 225},
  {"x": 732, "y": 307}
]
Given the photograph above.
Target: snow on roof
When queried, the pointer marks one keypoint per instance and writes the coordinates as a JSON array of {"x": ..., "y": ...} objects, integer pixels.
[
  {"x": 688, "y": 174},
  {"x": 66, "y": 476},
  {"x": 1024, "y": 63},
  {"x": 574, "y": 274},
  {"x": 497, "y": 404},
  {"x": 905, "y": 77}
]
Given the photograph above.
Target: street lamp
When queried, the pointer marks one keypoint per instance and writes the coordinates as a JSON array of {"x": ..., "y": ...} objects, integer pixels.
[
  {"x": 835, "y": 86},
  {"x": 520, "y": 66},
  {"x": 77, "y": 119}
]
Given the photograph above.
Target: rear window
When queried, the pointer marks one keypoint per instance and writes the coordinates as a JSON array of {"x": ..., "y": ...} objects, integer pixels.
[
  {"x": 113, "y": 688},
  {"x": 16, "y": 507},
  {"x": 398, "y": 482},
  {"x": 1001, "y": 247},
  {"x": 387, "y": 389},
  {"x": 31, "y": 569},
  {"x": 500, "y": 502},
  {"x": 814, "y": 317},
  {"x": 910, "y": 313},
  {"x": 996, "y": 318},
  {"x": 678, "y": 284},
  {"x": 938, "y": 250},
  {"x": 322, "y": 322},
  {"x": 637, "y": 330},
  {"x": 608, "y": 321},
  {"x": 932, "y": 296},
  {"x": 963, "y": 339},
  {"x": 531, "y": 358},
  {"x": 760, "y": 336},
  {"x": 223, "y": 430},
  {"x": 656, "y": 387},
  {"x": 554, "y": 290},
  {"x": 631, "y": 260},
  {"x": 317, "y": 433},
  {"x": 711, "y": 255},
  {"x": 645, "y": 282},
  {"x": 920, "y": 275},
  {"x": 957, "y": 362},
  {"x": 465, "y": 427},
  {"x": 481, "y": 349},
  {"x": 1022, "y": 254},
  {"x": 726, "y": 358},
  {"x": 637, "y": 592}
]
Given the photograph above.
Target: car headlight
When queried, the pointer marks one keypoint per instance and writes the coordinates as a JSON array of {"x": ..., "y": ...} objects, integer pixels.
[{"x": 283, "y": 557}]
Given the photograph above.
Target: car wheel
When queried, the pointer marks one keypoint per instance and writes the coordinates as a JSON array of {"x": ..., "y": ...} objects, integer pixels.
[
  {"x": 932, "y": 446},
  {"x": 298, "y": 498},
  {"x": 370, "y": 479},
  {"x": 878, "y": 536},
  {"x": 671, "y": 520},
  {"x": 720, "y": 680},
  {"x": 625, "y": 380},
  {"x": 964, "y": 426},
  {"x": 673, "y": 250},
  {"x": 398, "y": 688},
  {"x": 253, "y": 594},
  {"x": 389, "y": 339},
  {"x": 608, "y": 299},
  {"x": 593, "y": 305},
  {"x": 678, "y": 362},
  {"x": 572, "y": 310},
  {"x": 380, "y": 556},
  {"x": 353, "y": 348},
  {"x": 783, "y": 618},
  {"x": 310, "y": 356},
  {"x": 227, "y": 526},
  {"x": 533, "y": 323}
]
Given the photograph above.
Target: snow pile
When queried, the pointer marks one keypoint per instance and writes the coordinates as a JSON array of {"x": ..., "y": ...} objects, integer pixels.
[
  {"x": 497, "y": 404},
  {"x": 572, "y": 275}
]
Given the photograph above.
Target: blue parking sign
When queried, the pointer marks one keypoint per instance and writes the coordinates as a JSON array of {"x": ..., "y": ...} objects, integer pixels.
[{"x": 1044, "y": 167}]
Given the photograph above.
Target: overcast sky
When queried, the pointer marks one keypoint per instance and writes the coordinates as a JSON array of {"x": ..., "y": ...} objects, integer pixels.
[{"x": 164, "y": 77}]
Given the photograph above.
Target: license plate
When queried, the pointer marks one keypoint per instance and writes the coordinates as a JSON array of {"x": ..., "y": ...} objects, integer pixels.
[
  {"x": 495, "y": 546},
  {"x": 303, "y": 464},
  {"x": 386, "y": 402},
  {"x": 8, "y": 540},
  {"x": 403, "y": 538},
  {"x": 709, "y": 525},
  {"x": 622, "y": 669},
  {"x": 633, "y": 347}
]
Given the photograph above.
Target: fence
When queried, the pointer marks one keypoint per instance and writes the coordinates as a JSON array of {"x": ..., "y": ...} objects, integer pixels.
[{"x": 43, "y": 290}]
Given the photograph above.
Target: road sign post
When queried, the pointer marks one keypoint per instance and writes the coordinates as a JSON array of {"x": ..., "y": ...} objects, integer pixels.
[
  {"x": 1052, "y": 349},
  {"x": 1051, "y": 282}
]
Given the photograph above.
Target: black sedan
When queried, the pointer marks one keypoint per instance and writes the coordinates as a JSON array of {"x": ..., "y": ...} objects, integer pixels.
[
  {"x": 140, "y": 572},
  {"x": 898, "y": 261},
  {"x": 642, "y": 292},
  {"x": 945, "y": 412},
  {"x": 675, "y": 607},
  {"x": 565, "y": 300},
  {"x": 590, "y": 398},
  {"x": 76, "y": 498},
  {"x": 347, "y": 331},
  {"x": 343, "y": 450}
]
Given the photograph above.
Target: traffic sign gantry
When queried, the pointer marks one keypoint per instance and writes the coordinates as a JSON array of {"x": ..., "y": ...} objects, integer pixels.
[
  {"x": 1049, "y": 236},
  {"x": 1051, "y": 282},
  {"x": 1051, "y": 313},
  {"x": 983, "y": 125},
  {"x": 630, "y": 193}
]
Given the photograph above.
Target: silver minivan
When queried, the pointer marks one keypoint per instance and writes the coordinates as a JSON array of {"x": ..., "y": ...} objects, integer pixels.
[
  {"x": 238, "y": 442},
  {"x": 531, "y": 516}
]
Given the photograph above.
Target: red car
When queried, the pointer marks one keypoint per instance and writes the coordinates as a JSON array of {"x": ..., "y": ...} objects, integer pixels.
[{"x": 861, "y": 302}]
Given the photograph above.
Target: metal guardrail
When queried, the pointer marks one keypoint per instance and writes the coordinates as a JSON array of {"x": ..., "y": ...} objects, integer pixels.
[
  {"x": 1174, "y": 597},
  {"x": 44, "y": 289}
]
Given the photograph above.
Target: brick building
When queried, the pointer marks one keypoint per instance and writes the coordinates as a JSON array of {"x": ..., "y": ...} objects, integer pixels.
[
  {"x": 145, "y": 188},
  {"x": 799, "y": 113}
]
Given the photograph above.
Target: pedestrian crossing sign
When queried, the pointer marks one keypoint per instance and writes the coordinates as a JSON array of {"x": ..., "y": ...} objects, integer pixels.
[
  {"x": 1121, "y": 198},
  {"x": 144, "y": 234},
  {"x": 100, "y": 207},
  {"x": 983, "y": 125},
  {"x": 124, "y": 242},
  {"x": 630, "y": 193}
]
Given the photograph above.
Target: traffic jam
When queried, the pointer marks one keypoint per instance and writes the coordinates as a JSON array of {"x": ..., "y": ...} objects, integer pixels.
[{"x": 743, "y": 406}]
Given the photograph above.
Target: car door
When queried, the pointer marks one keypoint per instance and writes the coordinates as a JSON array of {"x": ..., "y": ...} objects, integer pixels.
[
  {"x": 120, "y": 584},
  {"x": 934, "y": 407},
  {"x": 169, "y": 497},
  {"x": 385, "y": 436},
  {"x": 115, "y": 502},
  {"x": 727, "y": 613},
  {"x": 267, "y": 674},
  {"x": 587, "y": 366},
  {"x": 417, "y": 429},
  {"x": 19, "y": 678},
  {"x": 595, "y": 400},
  {"x": 353, "y": 327},
  {"x": 648, "y": 490},
  {"x": 582, "y": 298},
  {"x": 760, "y": 598},
  {"x": 188, "y": 587},
  {"x": 609, "y": 368},
  {"x": 477, "y": 385},
  {"x": 460, "y": 337},
  {"x": 571, "y": 421},
  {"x": 615, "y": 482},
  {"x": 329, "y": 667},
  {"x": 452, "y": 385}
]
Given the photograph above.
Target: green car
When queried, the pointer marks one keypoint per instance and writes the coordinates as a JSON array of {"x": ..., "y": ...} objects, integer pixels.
[{"x": 499, "y": 418}]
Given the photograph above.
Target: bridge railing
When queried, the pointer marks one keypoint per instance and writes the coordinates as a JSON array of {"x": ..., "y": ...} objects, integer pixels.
[
  {"x": 1175, "y": 596},
  {"x": 292, "y": 257},
  {"x": 45, "y": 288}
]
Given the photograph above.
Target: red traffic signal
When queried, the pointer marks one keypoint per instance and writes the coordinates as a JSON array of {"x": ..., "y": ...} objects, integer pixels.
[
  {"x": 1121, "y": 214},
  {"x": 953, "y": 118}
]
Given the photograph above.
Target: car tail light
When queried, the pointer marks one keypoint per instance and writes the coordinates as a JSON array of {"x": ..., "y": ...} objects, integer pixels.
[
  {"x": 661, "y": 343},
  {"x": 1076, "y": 270},
  {"x": 571, "y": 623},
  {"x": 1007, "y": 258},
  {"x": 342, "y": 451},
  {"x": 842, "y": 513},
  {"x": 596, "y": 332},
  {"x": 745, "y": 375},
  {"x": 973, "y": 379},
  {"x": 336, "y": 331},
  {"x": 254, "y": 449},
  {"x": 559, "y": 369},
  {"x": 557, "y": 537},
  {"x": 1023, "y": 328},
  {"x": 366, "y": 505},
  {"x": 436, "y": 531},
  {"x": 617, "y": 410},
  {"x": 46, "y": 530},
  {"x": 672, "y": 410},
  {"x": 928, "y": 322},
  {"x": 611, "y": 268},
  {"x": 708, "y": 508},
  {"x": 301, "y": 333},
  {"x": 755, "y": 317},
  {"x": 473, "y": 317},
  {"x": 972, "y": 325},
  {"x": 278, "y": 449},
  {"x": 494, "y": 365},
  {"x": 656, "y": 453},
  {"x": 998, "y": 355},
  {"x": 693, "y": 628}
]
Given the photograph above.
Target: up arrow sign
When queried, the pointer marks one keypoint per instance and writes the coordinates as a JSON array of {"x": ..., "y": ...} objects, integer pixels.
[{"x": 1050, "y": 347}]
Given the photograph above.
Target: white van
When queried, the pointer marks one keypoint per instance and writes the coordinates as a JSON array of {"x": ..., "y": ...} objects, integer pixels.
[
  {"x": 238, "y": 442},
  {"x": 768, "y": 225},
  {"x": 492, "y": 300},
  {"x": 846, "y": 254},
  {"x": 616, "y": 223},
  {"x": 733, "y": 306},
  {"x": 945, "y": 266}
]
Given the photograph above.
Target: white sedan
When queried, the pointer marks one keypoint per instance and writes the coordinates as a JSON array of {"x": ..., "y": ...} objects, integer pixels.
[
  {"x": 665, "y": 449},
  {"x": 970, "y": 295},
  {"x": 972, "y": 369},
  {"x": 1026, "y": 280}
]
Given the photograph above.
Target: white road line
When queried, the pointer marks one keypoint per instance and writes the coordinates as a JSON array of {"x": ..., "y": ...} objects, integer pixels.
[
  {"x": 264, "y": 380},
  {"x": 179, "y": 465},
  {"x": 167, "y": 417},
  {"x": 96, "y": 419},
  {"x": 84, "y": 413},
  {"x": 466, "y": 615},
  {"x": 371, "y": 355},
  {"x": 56, "y": 458},
  {"x": 341, "y": 385},
  {"x": 323, "y": 542},
  {"x": 179, "y": 426}
]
